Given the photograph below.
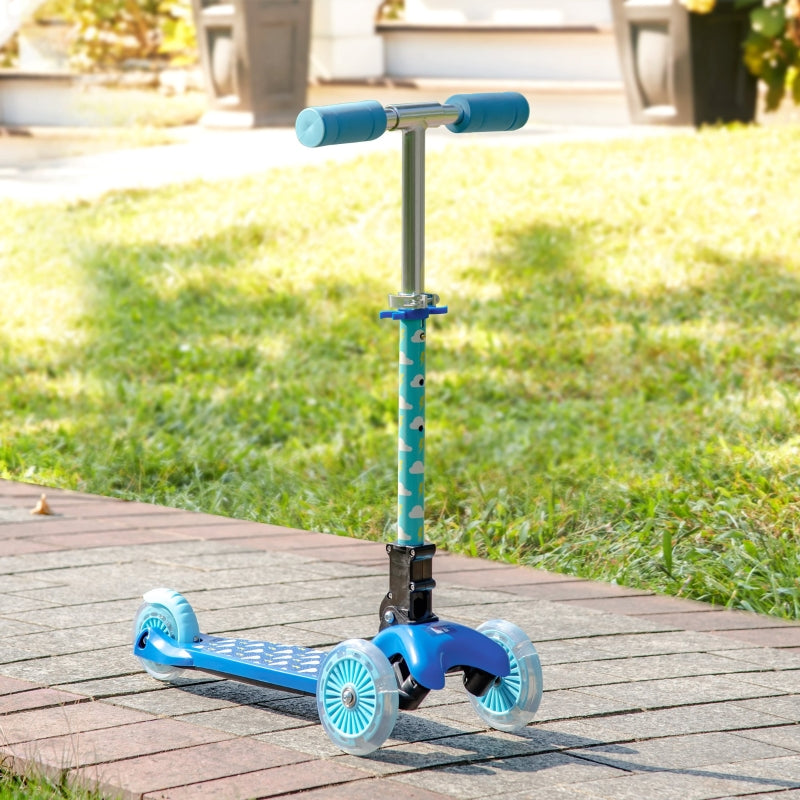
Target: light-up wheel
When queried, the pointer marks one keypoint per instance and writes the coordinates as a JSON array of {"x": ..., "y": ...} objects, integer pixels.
[
  {"x": 511, "y": 702},
  {"x": 169, "y": 613},
  {"x": 357, "y": 697}
]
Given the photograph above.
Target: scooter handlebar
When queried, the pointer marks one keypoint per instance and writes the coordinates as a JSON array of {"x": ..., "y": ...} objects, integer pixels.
[
  {"x": 341, "y": 124},
  {"x": 361, "y": 122},
  {"x": 489, "y": 111}
]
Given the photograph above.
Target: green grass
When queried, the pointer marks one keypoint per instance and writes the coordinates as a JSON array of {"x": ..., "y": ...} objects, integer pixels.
[
  {"x": 141, "y": 109},
  {"x": 17, "y": 787},
  {"x": 614, "y": 393}
]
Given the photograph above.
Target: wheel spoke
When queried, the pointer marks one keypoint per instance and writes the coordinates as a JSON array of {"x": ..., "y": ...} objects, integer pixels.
[{"x": 337, "y": 681}]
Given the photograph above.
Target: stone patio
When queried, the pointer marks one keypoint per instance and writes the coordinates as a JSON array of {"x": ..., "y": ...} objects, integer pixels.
[{"x": 644, "y": 695}]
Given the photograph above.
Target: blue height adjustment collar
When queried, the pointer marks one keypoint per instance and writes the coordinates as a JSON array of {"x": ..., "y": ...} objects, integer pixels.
[{"x": 412, "y": 313}]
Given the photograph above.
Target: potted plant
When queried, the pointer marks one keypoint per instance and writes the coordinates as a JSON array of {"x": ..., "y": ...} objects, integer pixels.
[
  {"x": 772, "y": 47},
  {"x": 694, "y": 62}
]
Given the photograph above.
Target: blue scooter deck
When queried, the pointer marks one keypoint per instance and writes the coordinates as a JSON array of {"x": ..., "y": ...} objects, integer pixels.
[{"x": 265, "y": 663}]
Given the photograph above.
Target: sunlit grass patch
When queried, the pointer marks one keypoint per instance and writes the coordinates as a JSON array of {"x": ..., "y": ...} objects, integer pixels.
[
  {"x": 34, "y": 786},
  {"x": 613, "y": 394}
]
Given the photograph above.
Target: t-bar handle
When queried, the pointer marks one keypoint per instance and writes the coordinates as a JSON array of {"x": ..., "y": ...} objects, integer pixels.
[{"x": 363, "y": 121}]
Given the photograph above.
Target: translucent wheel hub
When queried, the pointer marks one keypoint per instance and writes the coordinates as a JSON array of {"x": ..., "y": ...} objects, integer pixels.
[
  {"x": 504, "y": 692},
  {"x": 162, "y": 622},
  {"x": 511, "y": 702},
  {"x": 357, "y": 697}
]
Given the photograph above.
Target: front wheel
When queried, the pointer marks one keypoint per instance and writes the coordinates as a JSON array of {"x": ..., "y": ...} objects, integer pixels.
[
  {"x": 511, "y": 703},
  {"x": 357, "y": 697}
]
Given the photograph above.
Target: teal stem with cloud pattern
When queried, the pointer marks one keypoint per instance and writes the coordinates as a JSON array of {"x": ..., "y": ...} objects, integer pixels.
[{"x": 411, "y": 435}]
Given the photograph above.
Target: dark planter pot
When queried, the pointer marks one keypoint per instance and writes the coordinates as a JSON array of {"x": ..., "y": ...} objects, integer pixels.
[
  {"x": 681, "y": 68},
  {"x": 254, "y": 55}
]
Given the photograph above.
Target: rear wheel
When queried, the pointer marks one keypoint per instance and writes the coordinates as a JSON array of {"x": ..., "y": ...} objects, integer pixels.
[{"x": 170, "y": 614}]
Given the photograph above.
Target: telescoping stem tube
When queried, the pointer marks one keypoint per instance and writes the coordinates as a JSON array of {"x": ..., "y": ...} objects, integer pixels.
[
  {"x": 411, "y": 435},
  {"x": 413, "y": 273},
  {"x": 412, "y": 120}
]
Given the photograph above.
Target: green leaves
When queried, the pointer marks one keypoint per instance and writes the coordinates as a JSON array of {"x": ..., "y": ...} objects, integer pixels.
[
  {"x": 772, "y": 50},
  {"x": 108, "y": 32},
  {"x": 769, "y": 21}
]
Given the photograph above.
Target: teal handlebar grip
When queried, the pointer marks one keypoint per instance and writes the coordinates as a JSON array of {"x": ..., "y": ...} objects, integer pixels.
[
  {"x": 489, "y": 111},
  {"x": 341, "y": 124}
]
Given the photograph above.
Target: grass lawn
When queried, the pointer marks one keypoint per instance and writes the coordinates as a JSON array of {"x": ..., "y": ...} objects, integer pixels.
[
  {"x": 614, "y": 393},
  {"x": 14, "y": 787}
]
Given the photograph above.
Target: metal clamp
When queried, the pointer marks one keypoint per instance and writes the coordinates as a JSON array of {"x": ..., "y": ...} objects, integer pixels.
[{"x": 413, "y": 300}]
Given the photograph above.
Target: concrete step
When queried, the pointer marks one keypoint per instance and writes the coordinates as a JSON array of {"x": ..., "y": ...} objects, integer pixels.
[
  {"x": 499, "y": 51},
  {"x": 527, "y": 12}
]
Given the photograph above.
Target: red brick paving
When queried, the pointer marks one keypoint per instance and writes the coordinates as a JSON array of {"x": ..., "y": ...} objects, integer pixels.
[
  {"x": 270, "y": 783},
  {"x": 66, "y": 720},
  {"x": 92, "y": 747},
  {"x": 12, "y": 685},
  {"x": 154, "y": 773},
  {"x": 140, "y": 755},
  {"x": 37, "y": 698}
]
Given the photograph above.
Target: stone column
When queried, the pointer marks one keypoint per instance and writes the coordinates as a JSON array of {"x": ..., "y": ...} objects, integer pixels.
[{"x": 344, "y": 45}]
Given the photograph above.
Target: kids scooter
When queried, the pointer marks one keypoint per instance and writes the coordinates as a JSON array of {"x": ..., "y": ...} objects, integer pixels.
[{"x": 360, "y": 685}]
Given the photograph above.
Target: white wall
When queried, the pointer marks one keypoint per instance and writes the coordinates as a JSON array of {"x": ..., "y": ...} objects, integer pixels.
[
  {"x": 575, "y": 57},
  {"x": 343, "y": 40},
  {"x": 38, "y": 100},
  {"x": 524, "y": 12}
]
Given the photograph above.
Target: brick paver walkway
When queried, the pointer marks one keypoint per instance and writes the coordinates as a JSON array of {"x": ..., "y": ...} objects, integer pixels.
[{"x": 645, "y": 696}]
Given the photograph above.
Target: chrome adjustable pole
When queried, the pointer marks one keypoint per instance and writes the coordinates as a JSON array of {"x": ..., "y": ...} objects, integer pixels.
[
  {"x": 413, "y": 276},
  {"x": 413, "y": 119}
]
